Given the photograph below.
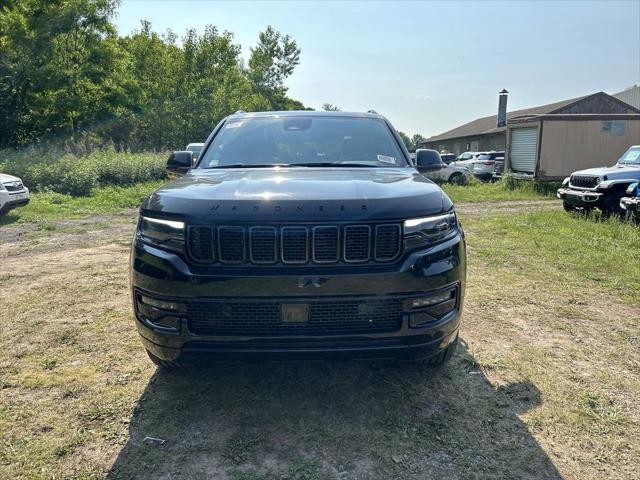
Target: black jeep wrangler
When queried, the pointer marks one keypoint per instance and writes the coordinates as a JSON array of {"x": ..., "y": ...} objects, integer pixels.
[{"x": 298, "y": 235}]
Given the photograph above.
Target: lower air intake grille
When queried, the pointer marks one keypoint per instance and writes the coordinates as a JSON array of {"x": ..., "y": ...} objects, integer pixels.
[{"x": 324, "y": 318}]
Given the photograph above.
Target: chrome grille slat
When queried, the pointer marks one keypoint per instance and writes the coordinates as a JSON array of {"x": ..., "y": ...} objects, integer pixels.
[
  {"x": 387, "y": 239},
  {"x": 263, "y": 245},
  {"x": 201, "y": 243},
  {"x": 357, "y": 243},
  {"x": 295, "y": 244},
  {"x": 326, "y": 244},
  {"x": 231, "y": 245}
]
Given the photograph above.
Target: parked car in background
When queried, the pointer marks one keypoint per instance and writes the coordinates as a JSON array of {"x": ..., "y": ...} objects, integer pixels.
[
  {"x": 485, "y": 166},
  {"x": 448, "y": 157},
  {"x": 13, "y": 193},
  {"x": 601, "y": 188},
  {"x": 630, "y": 203},
  {"x": 430, "y": 164},
  {"x": 467, "y": 159},
  {"x": 195, "y": 149}
]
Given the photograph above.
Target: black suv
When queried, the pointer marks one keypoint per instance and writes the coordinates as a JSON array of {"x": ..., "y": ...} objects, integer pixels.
[{"x": 298, "y": 235}]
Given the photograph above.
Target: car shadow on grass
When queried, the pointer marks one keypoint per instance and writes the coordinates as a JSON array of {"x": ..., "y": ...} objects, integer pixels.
[{"x": 346, "y": 420}]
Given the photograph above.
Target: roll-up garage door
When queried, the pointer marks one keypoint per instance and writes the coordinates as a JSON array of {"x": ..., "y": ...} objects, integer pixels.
[{"x": 524, "y": 149}]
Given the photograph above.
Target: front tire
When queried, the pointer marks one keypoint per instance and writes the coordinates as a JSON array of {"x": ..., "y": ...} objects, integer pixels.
[
  {"x": 163, "y": 364},
  {"x": 457, "y": 179},
  {"x": 441, "y": 359}
]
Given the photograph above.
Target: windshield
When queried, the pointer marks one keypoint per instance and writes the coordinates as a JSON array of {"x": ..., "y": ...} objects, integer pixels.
[
  {"x": 631, "y": 156},
  {"x": 304, "y": 140}
]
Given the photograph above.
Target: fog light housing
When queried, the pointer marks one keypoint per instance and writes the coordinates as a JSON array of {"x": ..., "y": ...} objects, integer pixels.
[
  {"x": 429, "y": 309},
  {"x": 421, "y": 302},
  {"x": 163, "y": 304},
  {"x": 161, "y": 314}
]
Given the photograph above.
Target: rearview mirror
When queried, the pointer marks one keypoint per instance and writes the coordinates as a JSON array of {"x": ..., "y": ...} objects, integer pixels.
[{"x": 180, "y": 162}]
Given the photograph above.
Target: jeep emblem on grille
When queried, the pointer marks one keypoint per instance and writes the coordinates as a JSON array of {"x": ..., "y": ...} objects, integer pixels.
[{"x": 308, "y": 281}]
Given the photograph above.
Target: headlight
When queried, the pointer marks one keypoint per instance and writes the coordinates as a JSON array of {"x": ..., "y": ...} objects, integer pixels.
[
  {"x": 161, "y": 233},
  {"x": 429, "y": 230},
  {"x": 565, "y": 182},
  {"x": 2, "y": 187}
]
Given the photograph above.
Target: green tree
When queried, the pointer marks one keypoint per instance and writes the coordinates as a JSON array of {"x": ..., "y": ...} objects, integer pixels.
[
  {"x": 60, "y": 67},
  {"x": 418, "y": 140},
  {"x": 407, "y": 141},
  {"x": 271, "y": 62},
  {"x": 330, "y": 107}
]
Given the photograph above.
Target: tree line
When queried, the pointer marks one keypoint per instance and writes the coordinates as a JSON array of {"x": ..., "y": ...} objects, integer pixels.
[{"x": 66, "y": 72}]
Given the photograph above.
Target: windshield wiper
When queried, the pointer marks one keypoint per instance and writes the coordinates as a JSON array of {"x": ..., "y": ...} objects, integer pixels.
[
  {"x": 332, "y": 164},
  {"x": 251, "y": 165}
]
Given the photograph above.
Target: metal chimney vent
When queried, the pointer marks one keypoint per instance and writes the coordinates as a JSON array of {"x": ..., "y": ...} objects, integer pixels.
[{"x": 502, "y": 108}]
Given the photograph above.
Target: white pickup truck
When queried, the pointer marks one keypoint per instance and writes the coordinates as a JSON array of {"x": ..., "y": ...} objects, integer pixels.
[{"x": 13, "y": 193}]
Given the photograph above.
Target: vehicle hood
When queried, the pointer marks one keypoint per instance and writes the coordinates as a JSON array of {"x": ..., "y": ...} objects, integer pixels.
[
  {"x": 299, "y": 195},
  {"x": 8, "y": 178},
  {"x": 613, "y": 173}
]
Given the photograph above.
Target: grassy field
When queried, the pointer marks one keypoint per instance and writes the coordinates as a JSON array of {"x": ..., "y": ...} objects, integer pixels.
[
  {"x": 503, "y": 190},
  {"x": 545, "y": 386},
  {"x": 47, "y": 207},
  {"x": 112, "y": 200}
]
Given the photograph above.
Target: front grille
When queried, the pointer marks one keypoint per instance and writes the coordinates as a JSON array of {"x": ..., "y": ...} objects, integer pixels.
[
  {"x": 357, "y": 243},
  {"x": 324, "y": 318},
  {"x": 201, "y": 245},
  {"x": 294, "y": 245},
  {"x": 584, "y": 181},
  {"x": 13, "y": 186},
  {"x": 231, "y": 244}
]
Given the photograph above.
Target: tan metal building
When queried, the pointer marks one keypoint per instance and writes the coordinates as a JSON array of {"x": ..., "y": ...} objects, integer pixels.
[
  {"x": 486, "y": 134},
  {"x": 551, "y": 147}
]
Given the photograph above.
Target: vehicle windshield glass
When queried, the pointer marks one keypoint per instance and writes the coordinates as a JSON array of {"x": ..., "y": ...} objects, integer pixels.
[
  {"x": 301, "y": 140},
  {"x": 631, "y": 156}
]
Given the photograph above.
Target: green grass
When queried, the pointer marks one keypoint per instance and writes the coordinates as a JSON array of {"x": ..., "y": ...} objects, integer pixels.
[
  {"x": 578, "y": 248},
  {"x": 503, "y": 190},
  {"x": 45, "y": 207}
]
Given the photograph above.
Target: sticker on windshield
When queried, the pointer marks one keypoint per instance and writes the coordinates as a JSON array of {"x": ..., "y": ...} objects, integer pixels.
[
  {"x": 386, "y": 159},
  {"x": 233, "y": 125}
]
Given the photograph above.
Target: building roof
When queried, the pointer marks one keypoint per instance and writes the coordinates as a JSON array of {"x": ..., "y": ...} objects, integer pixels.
[
  {"x": 629, "y": 95},
  {"x": 487, "y": 125}
]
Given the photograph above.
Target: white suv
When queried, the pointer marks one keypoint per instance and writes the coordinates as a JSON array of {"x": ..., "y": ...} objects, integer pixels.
[{"x": 13, "y": 193}]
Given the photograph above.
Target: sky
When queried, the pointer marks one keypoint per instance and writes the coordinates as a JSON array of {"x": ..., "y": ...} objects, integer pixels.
[{"x": 428, "y": 66}]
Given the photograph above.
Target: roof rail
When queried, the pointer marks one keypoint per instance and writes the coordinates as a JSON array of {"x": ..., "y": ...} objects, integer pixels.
[
  {"x": 372, "y": 111},
  {"x": 239, "y": 111}
]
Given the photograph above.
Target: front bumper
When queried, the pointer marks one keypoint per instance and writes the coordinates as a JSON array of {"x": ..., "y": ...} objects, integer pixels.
[
  {"x": 630, "y": 204},
  {"x": 580, "y": 198},
  {"x": 168, "y": 277},
  {"x": 13, "y": 200}
]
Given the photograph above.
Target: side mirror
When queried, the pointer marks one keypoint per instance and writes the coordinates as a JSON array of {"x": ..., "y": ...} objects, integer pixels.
[
  {"x": 180, "y": 162},
  {"x": 428, "y": 160}
]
